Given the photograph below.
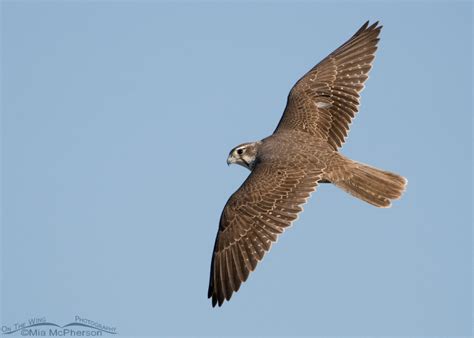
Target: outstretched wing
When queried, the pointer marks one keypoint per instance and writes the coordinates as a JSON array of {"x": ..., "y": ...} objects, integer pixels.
[
  {"x": 266, "y": 203},
  {"x": 324, "y": 101}
]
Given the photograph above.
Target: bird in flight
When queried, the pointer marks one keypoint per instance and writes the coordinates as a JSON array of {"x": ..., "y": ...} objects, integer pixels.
[{"x": 302, "y": 152}]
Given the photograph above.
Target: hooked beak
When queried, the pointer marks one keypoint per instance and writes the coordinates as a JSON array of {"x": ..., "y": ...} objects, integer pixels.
[{"x": 230, "y": 160}]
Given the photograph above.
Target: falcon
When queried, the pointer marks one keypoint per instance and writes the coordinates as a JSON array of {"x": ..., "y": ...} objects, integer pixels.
[{"x": 302, "y": 152}]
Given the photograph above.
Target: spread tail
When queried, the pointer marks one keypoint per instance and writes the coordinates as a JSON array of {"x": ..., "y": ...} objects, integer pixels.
[{"x": 372, "y": 185}]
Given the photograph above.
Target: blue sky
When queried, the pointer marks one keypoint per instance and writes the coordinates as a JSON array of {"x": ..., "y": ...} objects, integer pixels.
[{"x": 117, "y": 118}]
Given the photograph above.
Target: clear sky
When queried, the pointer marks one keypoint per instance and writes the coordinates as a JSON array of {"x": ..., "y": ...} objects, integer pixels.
[{"x": 117, "y": 118}]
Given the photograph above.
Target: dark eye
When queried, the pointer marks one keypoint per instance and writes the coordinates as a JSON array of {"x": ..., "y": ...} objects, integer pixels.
[{"x": 240, "y": 151}]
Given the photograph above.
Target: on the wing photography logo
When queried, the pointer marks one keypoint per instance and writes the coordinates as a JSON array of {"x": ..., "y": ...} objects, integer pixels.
[{"x": 41, "y": 327}]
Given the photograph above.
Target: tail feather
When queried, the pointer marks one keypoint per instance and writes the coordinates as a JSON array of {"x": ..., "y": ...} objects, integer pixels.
[{"x": 372, "y": 185}]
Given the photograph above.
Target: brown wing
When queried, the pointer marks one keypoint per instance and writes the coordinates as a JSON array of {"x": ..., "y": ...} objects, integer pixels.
[
  {"x": 324, "y": 101},
  {"x": 266, "y": 203}
]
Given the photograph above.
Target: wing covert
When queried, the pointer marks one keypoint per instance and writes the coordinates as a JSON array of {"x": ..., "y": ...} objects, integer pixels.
[
  {"x": 324, "y": 101},
  {"x": 253, "y": 217}
]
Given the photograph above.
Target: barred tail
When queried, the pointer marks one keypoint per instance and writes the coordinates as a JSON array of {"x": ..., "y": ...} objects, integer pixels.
[{"x": 372, "y": 185}]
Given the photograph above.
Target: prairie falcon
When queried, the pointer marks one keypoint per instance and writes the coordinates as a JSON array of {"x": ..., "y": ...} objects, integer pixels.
[{"x": 288, "y": 165}]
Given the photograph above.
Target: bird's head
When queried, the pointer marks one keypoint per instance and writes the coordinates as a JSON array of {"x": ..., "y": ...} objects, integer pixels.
[{"x": 244, "y": 154}]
